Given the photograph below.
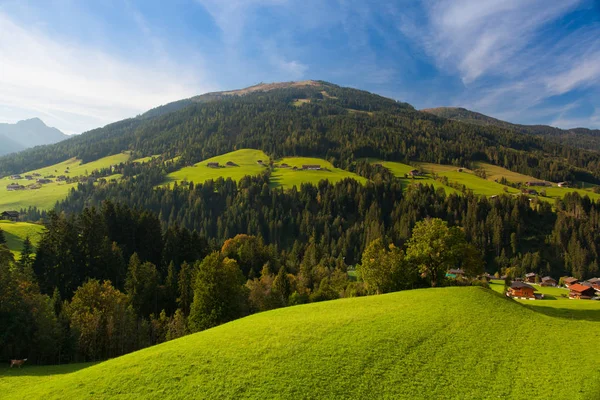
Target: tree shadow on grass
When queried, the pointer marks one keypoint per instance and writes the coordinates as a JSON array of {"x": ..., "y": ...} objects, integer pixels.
[
  {"x": 567, "y": 313},
  {"x": 43, "y": 370}
]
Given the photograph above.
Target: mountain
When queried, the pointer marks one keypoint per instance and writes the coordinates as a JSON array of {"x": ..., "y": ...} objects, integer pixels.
[
  {"x": 27, "y": 133},
  {"x": 313, "y": 119},
  {"x": 578, "y": 137}
]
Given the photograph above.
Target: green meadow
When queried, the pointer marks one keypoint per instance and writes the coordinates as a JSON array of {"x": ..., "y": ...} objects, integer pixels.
[
  {"x": 479, "y": 186},
  {"x": 47, "y": 196},
  {"x": 245, "y": 160},
  {"x": 288, "y": 177},
  {"x": 443, "y": 343},
  {"x": 16, "y": 232},
  {"x": 556, "y": 302}
]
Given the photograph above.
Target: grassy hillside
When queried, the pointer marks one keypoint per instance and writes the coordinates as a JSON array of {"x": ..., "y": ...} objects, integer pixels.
[
  {"x": 400, "y": 170},
  {"x": 556, "y": 302},
  {"x": 245, "y": 160},
  {"x": 479, "y": 186},
  {"x": 288, "y": 177},
  {"x": 47, "y": 196},
  {"x": 447, "y": 343},
  {"x": 246, "y": 163},
  {"x": 16, "y": 232}
]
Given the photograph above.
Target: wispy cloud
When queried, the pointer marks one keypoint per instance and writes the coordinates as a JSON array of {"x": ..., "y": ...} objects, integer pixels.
[
  {"x": 508, "y": 60},
  {"x": 78, "y": 88}
]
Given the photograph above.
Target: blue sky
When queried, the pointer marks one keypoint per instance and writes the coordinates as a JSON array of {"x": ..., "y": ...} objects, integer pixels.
[{"x": 79, "y": 65}]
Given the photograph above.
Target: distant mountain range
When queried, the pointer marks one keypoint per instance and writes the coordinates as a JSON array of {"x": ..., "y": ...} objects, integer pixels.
[
  {"x": 578, "y": 137},
  {"x": 28, "y": 133}
]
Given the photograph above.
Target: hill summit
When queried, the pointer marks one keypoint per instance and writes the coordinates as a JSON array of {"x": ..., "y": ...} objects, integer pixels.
[{"x": 27, "y": 133}]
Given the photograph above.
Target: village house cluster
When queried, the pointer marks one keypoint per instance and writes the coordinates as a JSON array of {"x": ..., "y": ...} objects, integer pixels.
[
  {"x": 525, "y": 288},
  {"x": 580, "y": 290}
]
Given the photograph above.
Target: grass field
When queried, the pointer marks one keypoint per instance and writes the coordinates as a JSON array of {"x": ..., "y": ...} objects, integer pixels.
[
  {"x": 245, "y": 160},
  {"x": 288, "y": 178},
  {"x": 16, "y": 232},
  {"x": 445, "y": 343},
  {"x": 47, "y": 196},
  {"x": 479, "y": 186},
  {"x": 556, "y": 302}
]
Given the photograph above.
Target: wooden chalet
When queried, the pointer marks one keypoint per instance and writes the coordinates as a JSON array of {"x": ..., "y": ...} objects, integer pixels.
[
  {"x": 579, "y": 291},
  {"x": 415, "y": 172},
  {"x": 530, "y": 277},
  {"x": 284, "y": 165},
  {"x": 570, "y": 281},
  {"x": 212, "y": 165},
  {"x": 44, "y": 180},
  {"x": 521, "y": 290},
  {"x": 595, "y": 282},
  {"x": 16, "y": 177},
  {"x": 548, "y": 281},
  {"x": 14, "y": 186},
  {"x": 563, "y": 184},
  {"x": 230, "y": 164},
  {"x": 312, "y": 167},
  {"x": 10, "y": 215}
]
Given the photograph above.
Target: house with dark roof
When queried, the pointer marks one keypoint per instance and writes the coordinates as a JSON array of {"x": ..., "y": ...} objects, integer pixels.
[
  {"x": 595, "y": 282},
  {"x": 10, "y": 215},
  {"x": 521, "y": 290},
  {"x": 14, "y": 186},
  {"x": 415, "y": 172},
  {"x": 530, "y": 277},
  {"x": 230, "y": 164},
  {"x": 212, "y": 165},
  {"x": 579, "y": 291},
  {"x": 312, "y": 167},
  {"x": 548, "y": 281},
  {"x": 570, "y": 281}
]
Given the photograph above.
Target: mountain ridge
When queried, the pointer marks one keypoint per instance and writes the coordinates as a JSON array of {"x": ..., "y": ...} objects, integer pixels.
[
  {"x": 27, "y": 133},
  {"x": 579, "y": 137}
]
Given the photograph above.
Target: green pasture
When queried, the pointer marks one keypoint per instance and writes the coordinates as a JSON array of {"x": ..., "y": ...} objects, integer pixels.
[
  {"x": 245, "y": 160},
  {"x": 16, "y": 232},
  {"x": 288, "y": 177},
  {"x": 46, "y": 197},
  {"x": 443, "y": 343}
]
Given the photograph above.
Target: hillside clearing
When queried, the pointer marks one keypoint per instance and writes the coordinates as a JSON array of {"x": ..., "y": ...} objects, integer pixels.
[
  {"x": 287, "y": 177},
  {"x": 16, "y": 232},
  {"x": 46, "y": 197},
  {"x": 409, "y": 345},
  {"x": 245, "y": 163}
]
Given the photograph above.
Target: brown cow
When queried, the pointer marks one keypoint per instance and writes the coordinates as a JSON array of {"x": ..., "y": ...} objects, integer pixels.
[{"x": 17, "y": 362}]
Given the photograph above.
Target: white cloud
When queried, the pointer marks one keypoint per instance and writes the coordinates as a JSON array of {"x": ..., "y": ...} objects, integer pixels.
[
  {"x": 478, "y": 37},
  {"x": 76, "y": 88}
]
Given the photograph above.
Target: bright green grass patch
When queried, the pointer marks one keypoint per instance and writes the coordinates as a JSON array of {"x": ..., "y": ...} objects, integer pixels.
[
  {"x": 300, "y": 102},
  {"x": 245, "y": 160},
  {"x": 46, "y": 197},
  {"x": 494, "y": 172},
  {"x": 16, "y": 232},
  {"x": 288, "y": 177},
  {"x": 400, "y": 171},
  {"x": 556, "y": 302},
  {"x": 145, "y": 159},
  {"x": 466, "y": 177},
  {"x": 446, "y": 343}
]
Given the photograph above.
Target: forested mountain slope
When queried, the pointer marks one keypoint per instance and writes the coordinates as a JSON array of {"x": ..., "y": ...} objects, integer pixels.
[
  {"x": 316, "y": 119},
  {"x": 576, "y": 137}
]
